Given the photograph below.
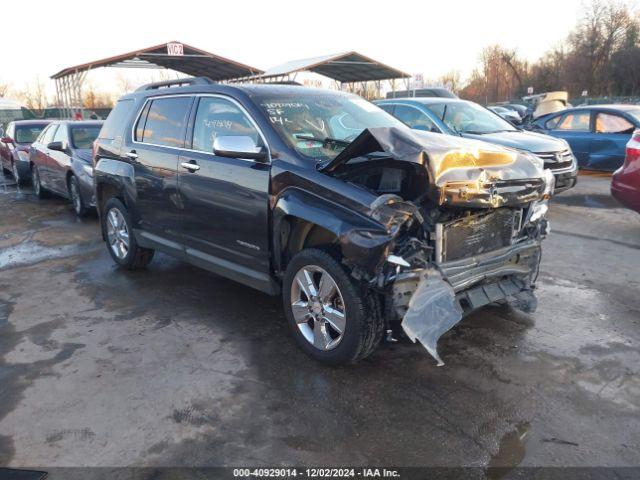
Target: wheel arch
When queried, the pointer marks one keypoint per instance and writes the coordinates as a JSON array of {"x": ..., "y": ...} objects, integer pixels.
[{"x": 303, "y": 220}]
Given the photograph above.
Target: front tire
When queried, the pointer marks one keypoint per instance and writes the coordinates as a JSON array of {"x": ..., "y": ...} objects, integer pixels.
[
  {"x": 121, "y": 241},
  {"x": 76, "y": 197},
  {"x": 332, "y": 320}
]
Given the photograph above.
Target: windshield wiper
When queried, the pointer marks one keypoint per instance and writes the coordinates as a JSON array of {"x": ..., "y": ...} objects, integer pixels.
[{"x": 324, "y": 141}]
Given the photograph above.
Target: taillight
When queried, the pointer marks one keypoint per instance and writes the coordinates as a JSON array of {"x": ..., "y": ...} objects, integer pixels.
[{"x": 633, "y": 149}]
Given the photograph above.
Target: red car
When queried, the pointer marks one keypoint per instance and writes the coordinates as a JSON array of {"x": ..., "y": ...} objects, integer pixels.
[
  {"x": 14, "y": 147},
  {"x": 625, "y": 185}
]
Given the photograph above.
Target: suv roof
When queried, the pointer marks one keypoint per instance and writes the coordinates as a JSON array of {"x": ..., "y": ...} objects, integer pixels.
[
  {"x": 425, "y": 100},
  {"x": 204, "y": 85}
]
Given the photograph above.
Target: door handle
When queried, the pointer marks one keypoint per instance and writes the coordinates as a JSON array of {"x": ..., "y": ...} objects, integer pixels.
[
  {"x": 192, "y": 167},
  {"x": 132, "y": 155}
]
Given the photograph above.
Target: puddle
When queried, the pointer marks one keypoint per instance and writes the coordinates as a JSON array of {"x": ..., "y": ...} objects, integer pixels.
[
  {"x": 510, "y": 453},
  {"x": 28, "y": 253}
]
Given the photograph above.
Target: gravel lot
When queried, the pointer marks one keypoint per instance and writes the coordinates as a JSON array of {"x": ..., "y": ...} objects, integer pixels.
[{"x": 176, "y": 366}]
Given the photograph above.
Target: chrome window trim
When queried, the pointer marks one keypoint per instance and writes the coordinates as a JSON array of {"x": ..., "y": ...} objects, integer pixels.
[
  {"x": 415, "y": 108},
  {"x": 195, "y": 96}
]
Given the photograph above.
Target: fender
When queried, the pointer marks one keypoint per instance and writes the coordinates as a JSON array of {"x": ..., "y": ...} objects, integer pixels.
[
  {"x": 363, "y": 240},
  {"x": 117, "y": 174}
]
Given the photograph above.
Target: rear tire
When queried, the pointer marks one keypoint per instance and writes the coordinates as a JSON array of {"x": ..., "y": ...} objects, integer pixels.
[
  {"x": 314, "y": 320},
  {"x": 38, "y": 189},
  {"x": 76, "y": 197},
  {"x": 121, "y": 242}
]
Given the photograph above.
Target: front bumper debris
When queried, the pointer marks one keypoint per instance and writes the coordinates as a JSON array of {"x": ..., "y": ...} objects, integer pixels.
[{"x": 431, "y": 301}]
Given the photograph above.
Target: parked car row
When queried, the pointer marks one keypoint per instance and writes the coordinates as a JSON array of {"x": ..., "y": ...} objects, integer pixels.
[
  {"x": 469, "y": 120},
  {"x": 598, "y": 134},
  {"x": 55, "y": 155}
]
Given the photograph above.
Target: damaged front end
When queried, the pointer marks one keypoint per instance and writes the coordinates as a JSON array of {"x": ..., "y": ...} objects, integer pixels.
[{"x": 464, "y": 222}]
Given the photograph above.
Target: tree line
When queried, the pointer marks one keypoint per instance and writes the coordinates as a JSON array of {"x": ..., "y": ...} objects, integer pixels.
[{"x": 601, "y": 56}]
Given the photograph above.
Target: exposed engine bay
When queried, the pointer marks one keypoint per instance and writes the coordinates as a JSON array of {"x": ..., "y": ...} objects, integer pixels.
[{"x": 464, "y": 226}]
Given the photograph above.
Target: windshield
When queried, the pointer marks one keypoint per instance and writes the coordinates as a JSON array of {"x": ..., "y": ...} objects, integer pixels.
[
  {"x": 82, "y": 137},
  {"x": 469, "y": 117},
  {"x": 321, "y": 124},
  {"x": 28, "y": 134}
]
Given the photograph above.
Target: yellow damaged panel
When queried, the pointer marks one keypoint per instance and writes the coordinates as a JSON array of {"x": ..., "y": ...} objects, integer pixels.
[{"x": 465, "y": 158}]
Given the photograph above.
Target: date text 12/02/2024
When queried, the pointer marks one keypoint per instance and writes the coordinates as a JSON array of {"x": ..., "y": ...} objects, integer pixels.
[{"x": 315, "y": 473}]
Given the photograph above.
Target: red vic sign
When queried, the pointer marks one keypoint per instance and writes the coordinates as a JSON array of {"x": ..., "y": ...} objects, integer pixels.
[{"x": 175, "y": 49}]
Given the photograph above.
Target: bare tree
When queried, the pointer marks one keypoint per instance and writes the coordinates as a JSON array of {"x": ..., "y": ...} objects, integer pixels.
[
  {"x": 4, "y": 89},
  {"x": 92, "y": 98},
  {"x": 34, "y": 95}
]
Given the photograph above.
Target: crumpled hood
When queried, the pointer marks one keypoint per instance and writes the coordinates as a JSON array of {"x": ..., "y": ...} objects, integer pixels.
[
  {"x": 462, "y": 172},
  {"x": 529, "y": 141}
]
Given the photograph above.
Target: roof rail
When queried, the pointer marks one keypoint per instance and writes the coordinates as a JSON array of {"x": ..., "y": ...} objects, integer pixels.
[{"x": 178, "y": 82}]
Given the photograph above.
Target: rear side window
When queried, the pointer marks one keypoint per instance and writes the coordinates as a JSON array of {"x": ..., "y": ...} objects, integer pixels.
[
  {"x": 608, "y": 123},
  {"x": 576, "y": 122},
  {"x": 387, "y": 108},
  {"x": 116, "y": 120},
  {"x": 165, "y": 122}
]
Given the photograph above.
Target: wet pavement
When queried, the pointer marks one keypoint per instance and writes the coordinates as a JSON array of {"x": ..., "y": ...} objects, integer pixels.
[{"x": 176, "y": 366}]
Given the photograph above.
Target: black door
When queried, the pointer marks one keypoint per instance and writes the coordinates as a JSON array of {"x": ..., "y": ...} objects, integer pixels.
[
  {"x": 225, "y": 200},
  {"x": 154, "y": 152}
]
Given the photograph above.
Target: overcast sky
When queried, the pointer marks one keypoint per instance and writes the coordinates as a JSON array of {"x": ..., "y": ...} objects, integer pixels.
[{"x": 429, "y": 37}]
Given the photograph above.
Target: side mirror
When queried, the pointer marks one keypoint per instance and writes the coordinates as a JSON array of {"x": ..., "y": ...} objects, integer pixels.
[
  {"x": 7, "y": 140},
  {"x": 238, "y": 146},
  {"x": 56, "y": 146}
]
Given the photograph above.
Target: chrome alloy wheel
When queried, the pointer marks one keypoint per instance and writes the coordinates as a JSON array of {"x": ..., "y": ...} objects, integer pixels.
[
  {"x": 117, "y": 233},
  {"x": 318, "y": 307}
]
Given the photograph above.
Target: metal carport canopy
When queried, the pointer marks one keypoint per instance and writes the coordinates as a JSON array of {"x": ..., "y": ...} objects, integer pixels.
[
  {"x": 349, "y": 67},
  {"x": 176, "y": 56}
]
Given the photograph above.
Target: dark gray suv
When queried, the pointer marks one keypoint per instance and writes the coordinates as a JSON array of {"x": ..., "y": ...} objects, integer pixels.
[{"x": 359, "y": 222}]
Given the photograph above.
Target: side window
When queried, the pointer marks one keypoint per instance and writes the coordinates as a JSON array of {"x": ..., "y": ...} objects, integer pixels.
[
  {"x": 116, "y": 120},
  {"x": 576, "y": 122},
  {"x": 165, "y": 122},
  {"x": 61, "y": 134},
  {"x": 387, "y": 108},
  {"x": 609, "y": 123},
  {"x": 11, "y": 131},
  {"x": 142, "y": 120},
  {"x": 47, "y": 135},
  {"x": 552, "y": 123},
  {"x": 217, "y": 117},
  {"x": 415, "y": 118}
]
